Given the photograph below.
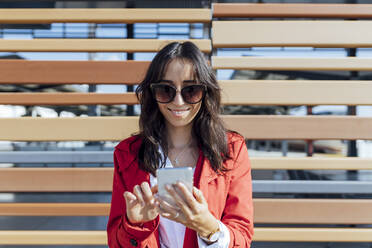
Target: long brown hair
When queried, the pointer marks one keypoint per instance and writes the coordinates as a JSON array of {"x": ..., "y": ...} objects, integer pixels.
[{"x": 207, "y": 128}]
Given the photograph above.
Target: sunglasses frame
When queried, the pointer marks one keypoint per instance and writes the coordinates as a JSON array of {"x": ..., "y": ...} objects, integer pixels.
[{"x": 153, "y": 85}]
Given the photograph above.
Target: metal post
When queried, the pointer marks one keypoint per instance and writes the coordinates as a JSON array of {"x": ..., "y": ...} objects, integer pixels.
[
  {"x": 309, "y": 143},
  {"x": 130, "y": 56}
]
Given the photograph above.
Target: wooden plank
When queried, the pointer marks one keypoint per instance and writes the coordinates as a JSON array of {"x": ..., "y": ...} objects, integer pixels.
[
  {"x": 251, "y": 126},
  {"x": 234, "y": 92},
  {"x": 261, "y": 234},
  {"x": 311, "y": 187},
  {"x": 54, "y": 209},
  {"x": 112, "y": 72},
  {"x": 310, "y": 163},
  {"x": 293, "y": 211},
  {"x": 32, "y": 99},
  {"x": 93, "y": 45},
  {"x": 274, "y": 92},
  {"x": 53, "y": 238},
  {"x": 313, "y": 234},
  {"x": 56, "y": 180},
  {"x": 290, "y": 10},
  {"x": 104, "y": 15},
  {"x": 59, "y": 157},
  {"x": 239, "y": 34},
  {"x": 313, "y": 211},
  {"x": 81, "y": 128},
  {"x": 72, "y": 72},
  {"x": 85, "y": 179},
  {"x": 258, "y": 163},
  {"x": 307, "y": 127},
  {"x": 292, "y": 64}
]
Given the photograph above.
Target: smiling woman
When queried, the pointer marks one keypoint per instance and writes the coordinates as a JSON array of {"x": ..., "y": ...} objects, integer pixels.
[
  {"x": 183, "y": 104},
  {"x": 180, "y": 126}
]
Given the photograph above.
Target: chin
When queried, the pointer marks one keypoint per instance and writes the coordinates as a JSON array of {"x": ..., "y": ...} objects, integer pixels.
[{"x": 179, "y": 123}]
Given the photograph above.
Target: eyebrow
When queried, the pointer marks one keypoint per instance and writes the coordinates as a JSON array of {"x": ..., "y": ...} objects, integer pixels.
[{"x": 171, "y": 82}]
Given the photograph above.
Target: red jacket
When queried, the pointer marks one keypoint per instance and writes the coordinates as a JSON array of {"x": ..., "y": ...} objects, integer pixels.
[{"x": 229, "y": 197}]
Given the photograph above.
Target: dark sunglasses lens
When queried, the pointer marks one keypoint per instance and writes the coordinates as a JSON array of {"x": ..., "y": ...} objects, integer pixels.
[
  {"x": 164, "y": 93},
  {"x": 192, "y": 93}
]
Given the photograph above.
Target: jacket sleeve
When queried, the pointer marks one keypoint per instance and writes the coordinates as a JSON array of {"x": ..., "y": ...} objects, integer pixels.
[
  {"x": 120, "y": 232},
  {"x": 238, "y": 212}
]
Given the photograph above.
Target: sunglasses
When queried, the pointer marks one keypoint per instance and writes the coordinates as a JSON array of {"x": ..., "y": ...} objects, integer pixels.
[{"x": 165, "y": 93}]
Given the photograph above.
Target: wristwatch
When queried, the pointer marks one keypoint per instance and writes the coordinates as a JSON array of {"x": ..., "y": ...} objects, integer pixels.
[{"x": 213, "y": 236}]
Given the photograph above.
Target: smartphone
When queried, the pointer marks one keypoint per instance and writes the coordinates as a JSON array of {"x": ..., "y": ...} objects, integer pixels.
[{"x": 171, "y": 176}]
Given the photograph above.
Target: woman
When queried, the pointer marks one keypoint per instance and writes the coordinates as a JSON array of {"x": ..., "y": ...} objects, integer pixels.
[{"x": 180, "y": 126}]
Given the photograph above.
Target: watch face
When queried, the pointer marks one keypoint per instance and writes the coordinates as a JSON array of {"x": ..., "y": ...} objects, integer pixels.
[{"x": 215, "y": 236}]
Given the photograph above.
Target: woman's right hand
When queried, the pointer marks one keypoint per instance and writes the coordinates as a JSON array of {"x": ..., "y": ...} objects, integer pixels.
[{"x": 141, "y": 203}]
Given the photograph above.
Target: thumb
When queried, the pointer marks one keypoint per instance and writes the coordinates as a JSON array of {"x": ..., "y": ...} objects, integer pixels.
[{"x": 198, "y": 194}]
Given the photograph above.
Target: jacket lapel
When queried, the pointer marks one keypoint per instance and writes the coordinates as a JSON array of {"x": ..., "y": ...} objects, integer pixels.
[{"x": 207, "y": 175}]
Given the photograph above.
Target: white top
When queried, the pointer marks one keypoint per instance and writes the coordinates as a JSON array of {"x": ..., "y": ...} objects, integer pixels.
[{"x": 172, "y": 234}]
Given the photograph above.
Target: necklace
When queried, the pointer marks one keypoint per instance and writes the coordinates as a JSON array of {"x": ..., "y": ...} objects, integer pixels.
[{"x": 176, "y": 159}]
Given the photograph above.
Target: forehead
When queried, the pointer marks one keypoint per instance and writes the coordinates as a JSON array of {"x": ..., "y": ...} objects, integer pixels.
[{"x": 179, "y": 69}]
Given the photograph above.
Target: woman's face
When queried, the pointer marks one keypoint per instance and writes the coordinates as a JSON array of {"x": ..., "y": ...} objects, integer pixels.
[{"x": 178, "y": 113}]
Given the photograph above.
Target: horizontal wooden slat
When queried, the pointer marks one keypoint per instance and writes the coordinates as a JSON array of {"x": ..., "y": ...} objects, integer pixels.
[
  {"x": 267, "y": 10},
  {"x": 291, "y": 33},
  {"x": 310, "y": 163},
  {"x": 313, "y": 211},
  {"x": 262, "y": 92},
  {"x": 72, "y": 72},
  {"x": 261, "y": 234},
  {"x": 293, "y": 211},
  {"x": 53, "y": 238},
  {"x": 258, "y": 163},
  {"x": 80, "y": 180},
  {"x": 104, "y": 15},
  {"x": 313, "y": 234},
  {"x": 56, "y": 180},
  {"x": 92, "y": 45},
  {"x": 234, "y": 92},
  {"x": 292, "y": 64},
  {"x": 311, "y": 187},
  {"x": 67, "y": 98},
  {"x": 112, "y": 72},
  {"x": 250, "y": 126},
  {"x": 307, "y": 127},
  {"x": 82, "y": 128},
  {"x": 54, "y": 209},
  {"x": 82, "y": 156}
]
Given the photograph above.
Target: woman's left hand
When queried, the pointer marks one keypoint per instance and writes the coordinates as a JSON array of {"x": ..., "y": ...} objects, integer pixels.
[{"x": 191, "y": 210}]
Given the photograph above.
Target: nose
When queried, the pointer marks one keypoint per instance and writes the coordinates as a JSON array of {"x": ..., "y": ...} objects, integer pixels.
[{"x": 178, "y": 100}]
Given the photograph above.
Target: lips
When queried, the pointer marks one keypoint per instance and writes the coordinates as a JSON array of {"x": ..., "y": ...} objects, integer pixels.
[{"x": 178, "y": 112}]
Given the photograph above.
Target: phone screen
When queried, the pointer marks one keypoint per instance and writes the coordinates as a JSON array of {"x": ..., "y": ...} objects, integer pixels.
[{"x": 173, "y": 175}]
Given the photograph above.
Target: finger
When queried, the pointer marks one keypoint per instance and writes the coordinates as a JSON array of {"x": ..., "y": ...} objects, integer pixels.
[
  {"x": 199, "y": 195},
  {"x": 167, "y": 210},
  {"x": 188, "y": 196},
  {"x": 147, "y": 194},
  {"x": 179, "y": 200},
  {"x": 138, "y": 192},
  {"x": 155, "y": 189},
  {"x": 165, "y": 204},
  {"x": 166, "y": 207},
  {"x": 130, "y": 199}
]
